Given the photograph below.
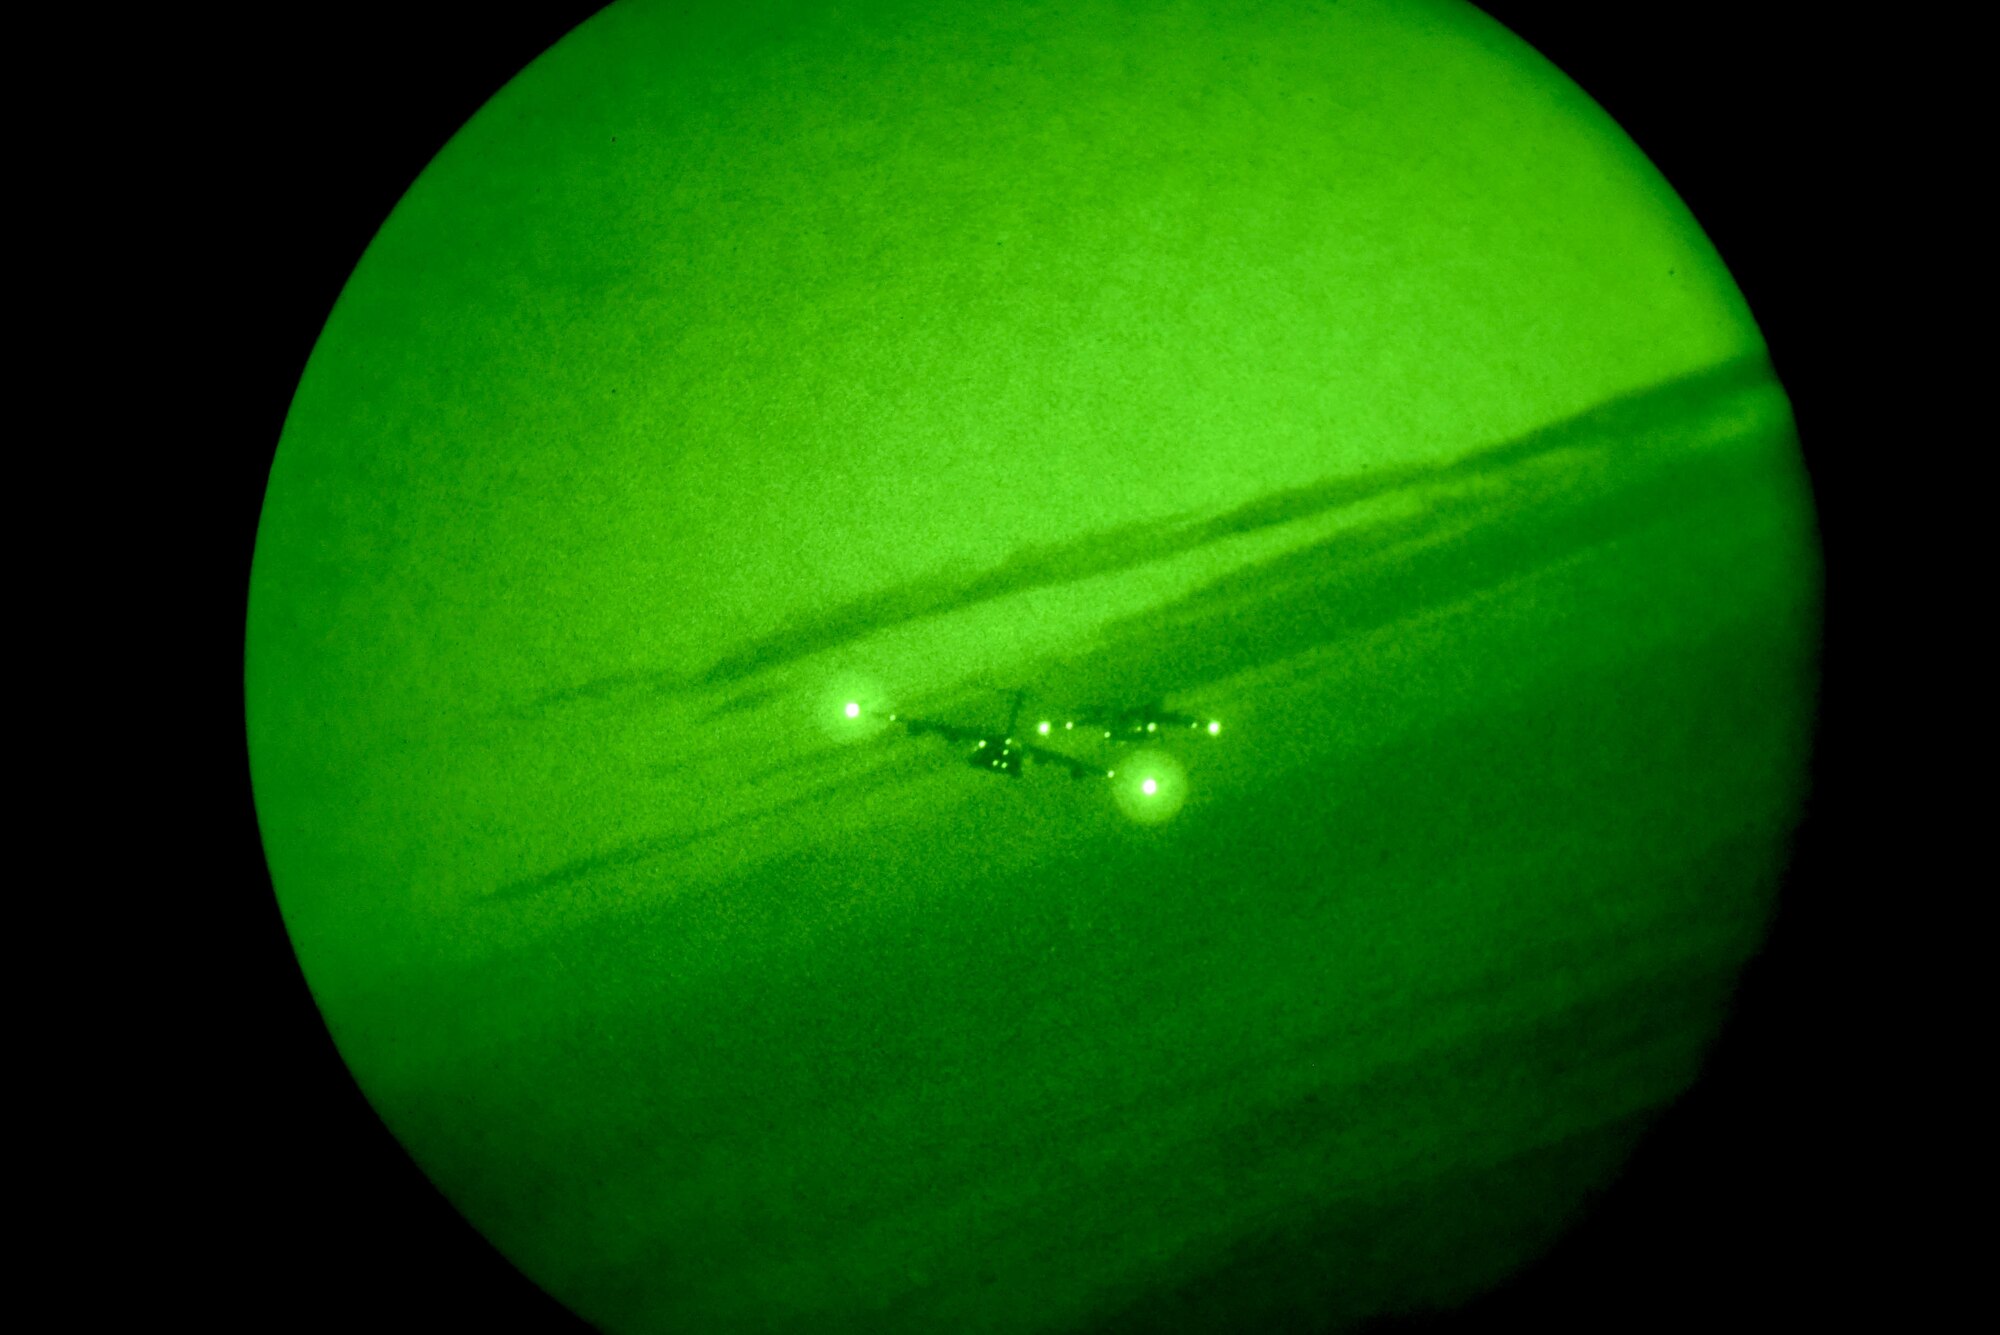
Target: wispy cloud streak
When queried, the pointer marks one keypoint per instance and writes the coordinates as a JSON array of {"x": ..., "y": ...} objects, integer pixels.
[{"x": 1127, "y": 547}]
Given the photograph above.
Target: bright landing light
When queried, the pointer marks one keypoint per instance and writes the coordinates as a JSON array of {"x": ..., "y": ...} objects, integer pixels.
[
  {"x": 1214, "y": 728},
  {"x": 1155, "y": 790},
  {"x": 1042, "y": 728},
  {"x": 843, "y": 708}
]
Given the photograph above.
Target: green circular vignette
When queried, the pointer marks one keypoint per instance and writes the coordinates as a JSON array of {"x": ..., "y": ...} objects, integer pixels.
[{"x": 758, "y": 411}]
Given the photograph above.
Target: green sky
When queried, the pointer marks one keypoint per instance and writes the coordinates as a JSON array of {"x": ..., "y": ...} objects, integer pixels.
[{"x": 1339, "y": 369}]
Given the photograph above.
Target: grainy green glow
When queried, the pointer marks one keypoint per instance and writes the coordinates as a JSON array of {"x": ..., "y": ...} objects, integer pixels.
[{"x": 744, "y": 375}]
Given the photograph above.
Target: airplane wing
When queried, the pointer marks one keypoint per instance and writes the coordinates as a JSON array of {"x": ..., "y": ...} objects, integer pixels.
[
  {"x": 951, "y": 732},
  {"x": 1078, "y": 769}
]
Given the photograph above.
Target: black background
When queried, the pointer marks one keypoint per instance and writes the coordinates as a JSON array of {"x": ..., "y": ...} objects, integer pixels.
[{"x": 1753, "y": 1201}]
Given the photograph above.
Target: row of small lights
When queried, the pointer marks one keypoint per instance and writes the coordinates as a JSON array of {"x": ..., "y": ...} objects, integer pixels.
[{"x": 1214, "y": 725}]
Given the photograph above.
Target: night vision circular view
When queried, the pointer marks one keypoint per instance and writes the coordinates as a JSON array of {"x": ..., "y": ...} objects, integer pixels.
[{"x": 1023, "y": 667}]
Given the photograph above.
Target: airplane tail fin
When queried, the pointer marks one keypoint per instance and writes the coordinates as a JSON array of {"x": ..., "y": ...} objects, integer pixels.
[{"x": 1016, "y": 695}]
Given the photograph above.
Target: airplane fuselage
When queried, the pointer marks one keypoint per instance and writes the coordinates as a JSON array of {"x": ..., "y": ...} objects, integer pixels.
[{"x": 999, "y": 755}]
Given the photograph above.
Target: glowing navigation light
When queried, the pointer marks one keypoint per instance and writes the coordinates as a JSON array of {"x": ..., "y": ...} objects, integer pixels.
[
  {"x": 1152, "y": 727},
  {"x": 1042, "y": 728},
  {"x": 1149, "y": 787},
  {"x": 1214, "y": 728},
  {"x": 1068, "y": 726},
  {"x": 853, "y": 710}
]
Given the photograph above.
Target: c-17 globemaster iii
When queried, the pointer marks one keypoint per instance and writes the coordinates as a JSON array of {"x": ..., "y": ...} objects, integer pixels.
[{"x": 1001, "y": 752}]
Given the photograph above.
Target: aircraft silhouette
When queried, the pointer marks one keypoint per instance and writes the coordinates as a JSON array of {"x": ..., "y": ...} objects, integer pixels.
[
  {"x": 1140, "y": 723},
  {"x": 1001, "y": 752}
]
